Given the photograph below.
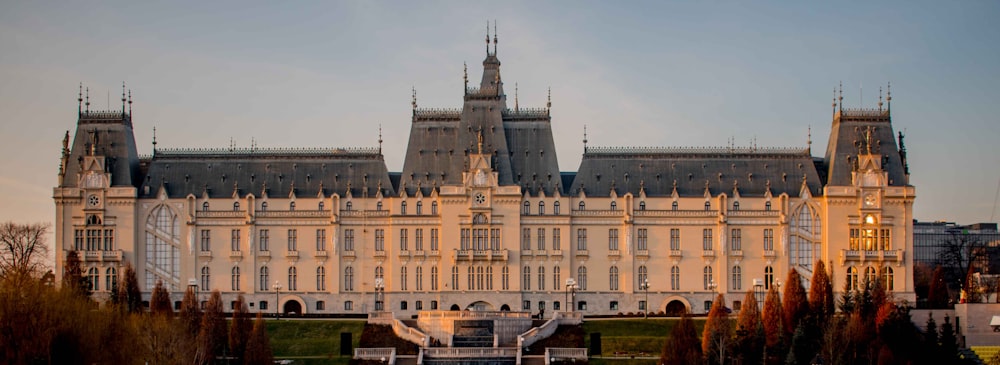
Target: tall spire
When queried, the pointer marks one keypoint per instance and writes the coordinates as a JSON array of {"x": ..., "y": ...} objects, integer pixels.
[
  {"x": 834, "y": 105},
  {"x": 809, "y": 139},
  {"x": 495, "y": 41},
  {"x": 414, "y": 101},
  {"x": 79, "y": 100},
  {"x": 123, "y": 99},
  {"x": 840, "y": 98},
  {"x": 487, "y": 37},
  {"x": 88, "y": 99},
  {"x": 548, "y": 104},
  {"x": 130, "y": 103},
  {"x": 465, "y": 76},
  {"x": 380, "y": 138},
  {"x": 888, "y": 97},
  {"x": 154, "y": 140},
  {"x": 515, "y": 98},
  {"x": 584, "y": 138}
]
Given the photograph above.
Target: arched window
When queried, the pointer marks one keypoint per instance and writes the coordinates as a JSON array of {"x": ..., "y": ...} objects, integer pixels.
[
  {"x": 265, "y": 278},
  {"x": 402, "y": 208},
  {"x": 235, "y": 284},
  {"x": 434, "y": 208},
  {"x": 378, "y": 206},
  {"x": 379, "y": 273},
  {"x": 556, "y": 277},
  {"x": 643, "y": 274},
  {"x": 526, "y": 279},
  {"x": 737, "y": 278},
  {"x": 767, "y": 206},
  {"x": 736, "y": 205},
  {"x": 321, "y": 206},
  {"x": 162, "y": 248},
  {"x": 583, "y": 206},
  {"x": 804, "y": 236},
  {"x": 402, "y": 278},
  {"x": 527, "y": 208},
  {"x": 541, "y": 278},
  {"x": 204, "y": 207},
  {"x": 349, "y": 206},
  {"x": 291, "y": 206},
  {"x": 887, "y": 271},
  {"x": 236, "y": 206},
  {"x": 541, "y": 208},
  {"x": 293, "y": 279},
  {"x": 454, "y": 278},
  {"x": 263, "y": 206},
  {"x": 708, "y": 206},
  {"x": 320, "y": 278},
  {"x": 420, "y": 278},
  {"x": 768, "y": 277},
  {"x": 505, "y": 278},
  {"x": 675, "y": 278},
  {"x": 852, "y": 278},
  {"x": 420, "y": 208},
  {"x": 111, "y": 279},
  {"x": 642, "y": 205},
  {"x": 581, "y": 277},
  {"x": 348, "y": 278},
  {"x": 614, "y": 205},
  {"x": 95, "y": 279},
  {"x": 434, "y": 278},
  {"x": 673, "y": 206},
  {"x": 870, "y": 276},
  {"x": 206, "y": 278},
  {"x": 707, "y": 282},
  {"x": 555, "y": 208},
  {"x": 613, "y": 278}
]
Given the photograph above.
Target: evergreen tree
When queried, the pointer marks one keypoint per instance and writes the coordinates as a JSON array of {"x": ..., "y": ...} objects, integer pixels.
[
  {"x": 820, "y": 292},
  {"x": 683, "y": 346},
  {"x": 772, "y": 320},
  {"x": 795, "y": 305},
  {"x": 937, "y": 297},
  {"x": 190, "y": 312},
  {"x": 848, "y": 298},
  {"x": 717, "y": 336},
  {"x": 931, "y": 345},
  {"x": 212, "y": 336},
  {"x": 239, "y": 332},
  {"x": 159, "y": 303},
  {"x": 73, "y": 278},
  {"x": 259, "y": 346},
  {"x": 749, "y": 339},
  {"x": 128, "y": 293},
  {"x": 802, "y": 348},
  {"x": 949, "y": 343}
]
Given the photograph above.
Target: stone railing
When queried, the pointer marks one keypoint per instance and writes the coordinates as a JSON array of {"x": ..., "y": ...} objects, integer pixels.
[
  {"x": 708, "y": 253},
  {"x": 598, "y": 213},
  {"x": 385, "y": 318},
  {"x": 562, "y": 354},
  {"x": 471, "y": 314},
  {"x": 676, "y": 213},
  {"x": 236, "y": 254},
  {"x": 736, "y": 253},
  {"x": 469, "y": 352},
  {"x": 676, "y": 253},
  {"x": 537, "y": 333},
  {"x": 753, "y": 213},
  {"x": 399, "y": 328},
  {"x": 207, "y": 254},
  {"x": 871, "y": 255},
  {"x": 479, "y": 255},
  {"x": 220, "y": 214},
  {"x": 293, "y": 214},
  {"x": 98, "y": 256},
  {"x": 569, "y": 318},
  {"x": 364, "y": 213},
  {"x": 770, "y": 254},
  {"x": 384, "y": 354}
]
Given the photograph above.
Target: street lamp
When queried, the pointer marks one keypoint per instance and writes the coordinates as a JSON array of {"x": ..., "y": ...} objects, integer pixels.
[
  {"x": 645, "y": 307},
  {"x": 570, "y": 293},
  {"x": 277, "y": 291},
  {"x": 379, "y": 293}
]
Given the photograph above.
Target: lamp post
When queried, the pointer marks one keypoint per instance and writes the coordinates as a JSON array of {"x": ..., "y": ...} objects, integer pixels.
[
  {"x": 645, "y": 308},
  {"x": 570, "y": 293},
  {"x": 277, "y": 291},
  {"x": 379, "y": 293}
]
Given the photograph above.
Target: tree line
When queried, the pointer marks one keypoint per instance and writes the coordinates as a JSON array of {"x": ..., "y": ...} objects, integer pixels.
[
  {"x": 796, "y": 327},
  {"x": 41, "y": 322}
]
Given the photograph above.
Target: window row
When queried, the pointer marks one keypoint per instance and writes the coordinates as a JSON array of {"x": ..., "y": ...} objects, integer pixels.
[
  {"x": 94, "y": 239},
  {"x": 110, "y": 279}
]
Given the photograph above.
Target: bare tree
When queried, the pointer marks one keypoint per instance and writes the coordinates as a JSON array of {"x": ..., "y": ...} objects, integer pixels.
[
  {"x": 961, "y": 254},
  {"x": 23, "y": 249}
]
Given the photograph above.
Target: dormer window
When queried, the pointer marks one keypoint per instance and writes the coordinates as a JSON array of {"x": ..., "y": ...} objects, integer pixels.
[
  {"x": 736, "y": 205},
  {"x": 263, "y": 206},
  {"x": 527, "y": 208},
  {"x": 583, "y": 206},
  {"x": 642, "y": 205},
  {"x": 555, "y": 208},
  {"x": 767, "y": 206},
  {"x": 434, "y": 208},
  {"x": 291, "y": 206},
  {"x": 349, "y": 206},
  {"x": 378, "y": 206},
  {"x": 204, "y": 207},
  {"x": 402, "y": 208},
  {"x": 236, "y": 206},
  {"x": 420, "y": 208},
  {"x": 614, "y": 206},
  {"x": 673, "y": 206},
  {"x": 321, "y": 206},
  {"x": 541, "y": 208},
  {"x": 708, "y": 206}
]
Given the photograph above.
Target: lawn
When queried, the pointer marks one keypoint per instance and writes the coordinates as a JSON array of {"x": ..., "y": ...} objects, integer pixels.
[
  {"x": 633, "y": 335},
  {"x": 312, "y": 338}
]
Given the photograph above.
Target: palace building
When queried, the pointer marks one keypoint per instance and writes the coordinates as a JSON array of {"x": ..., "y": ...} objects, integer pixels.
[{"x": 482, "y": 216}]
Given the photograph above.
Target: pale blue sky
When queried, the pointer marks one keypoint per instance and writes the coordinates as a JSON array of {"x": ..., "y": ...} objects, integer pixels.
[{"x": 299, "y": 74}]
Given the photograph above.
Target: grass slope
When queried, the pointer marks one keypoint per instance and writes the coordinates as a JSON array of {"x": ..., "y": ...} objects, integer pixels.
[
  {"x": 633, "y": 335},
  {"x": 311, "y": 338}
]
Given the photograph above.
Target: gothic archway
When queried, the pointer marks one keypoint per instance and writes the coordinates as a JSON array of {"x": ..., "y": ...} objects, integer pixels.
[{"x": 292, "y": 307}]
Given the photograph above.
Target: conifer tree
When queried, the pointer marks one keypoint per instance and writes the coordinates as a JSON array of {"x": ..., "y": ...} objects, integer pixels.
[
  {"x": 73, "y": 278},
  {"x": 820, "y": 292},
  {"x": 937, "y": 296},
  {"x": 259, "y": 346},
  {"x": 749, "y": 339},
  {"x": 159, "y": 303},
  {"x": 931, "y": 344},
  {"x": 717, "y": 336},
  {"x": 683, "y": 346},
  {"x": 795, "y": 305},
  {"x": 949, "y": 343},
  {"x": 212, "y": 336},
  {"x": 240, "y": 330},
  {"x": 772, "y": 323},
  {"x": 190, "y": 313},
  {"x": 128, "y": 294},
  {"x": 848, "y": 299}
]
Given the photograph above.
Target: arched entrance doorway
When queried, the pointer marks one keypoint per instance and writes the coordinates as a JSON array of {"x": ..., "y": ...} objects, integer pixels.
[
  {"x": 292, "y": 307},
  {"x": 676, "y": 308},
  {"x": 454, "y": 307},
  {"x": 480, "y": 306},
  {"x": 505, "y": 308}
]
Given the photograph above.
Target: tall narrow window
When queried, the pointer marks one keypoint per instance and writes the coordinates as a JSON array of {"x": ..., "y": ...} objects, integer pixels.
[
  {"x": 348, "y": 240},
  {"x": 555, "y": 208},
  {"x": 708, "y": 206},
  {"x": 505, "y": 278},
  {"x": 94, "y": 277},
  {"x": 419, "y": 282},
  {"x": 349, "y": 206},
  {"x": 348, "y": 278},
  {"x": 236, "y": 278},
  {"x": 265, "y": 240},
  {"x": 581, "y": 277},
  {"x": 527, "y": 208},
  {"x": 434, "y": 278},
  {"x": 378, "y": 206},
  {"x": 293, "y": 279},
  {"x": 291, "y": 206},
  {"x": 206, "y": 278},
  {"x": 736, "y": 240},
  {"x": 541, "y": 208},
  {"x": 320, "y": 278},
  {"x": 489, "y": 278},
  {"x": 767, "y": 206},
  {"x": 613, "y": 278},
  {"x": 642, "y": 205},
  {"x": 235, "y": 238},
  {"x": 675, "y": 278},
  {"x": 403, "y": 244},
  {"x": 581, "y": 239},
  {"x": 641, "y": 238},
  {"x": 379, "y": 273},
  {"x": 204, "y": 207},
  {"x": 434, "y": 239},
  {"x": 643, "y": 274},
  {"x": 434, "y": 208},
  {"x": 737, "y": 278},
  {"x": 454, "y": 278},
  {"x": 109, "y": 239},
  {"x": 236, "y": 206},
  {"x": 708, "y": 283},
  {"x": 526, "y": 238},
  {"x": 852, "y": 278},
  {"x": 706, "y": 239},
  {"x": 613, "y": 239},
  {"x": 402, "y": 278},
  {"x": 420, "y": 207},
  {"x": 418, "y": 239},
  {"x": 885, "y": 241},
  {"x": 582, "y": 206},
  {"x": 556, "y": 277},
  {"x": 675, "y": 239},
  {"x": 111, "y": 282},
  {"x": 293, "y": 240},
  {"x": 673, "y": 206},
  {"x": 870, "y": 275},
  {"x": 736, "y": 205},
  {"x": 614, "y": 205},
  {"x": 206, "y": 240},
  {"x": 541, "y": 239},
  {"x": 541, "y": 278},
  {"x": 379, "y": 239},
  {"x": 321, "y": 206},
  {"x": 321, "y": 240},
  {"x": 264, "y": 278},
  {"x": 526, "y": 279},
  {"x": 887, "y": 271},
  {"x": 768, "y": 239},
  {"x": 768, "y": 277},
  {"x": 556, "y": 239},
  {"x": 402, "y": 208}
]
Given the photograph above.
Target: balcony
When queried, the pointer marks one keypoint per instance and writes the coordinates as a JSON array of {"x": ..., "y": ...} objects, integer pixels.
[
  {"x": 264, "y": 253},
  {"x": 582, "y": 253},
  {"x": 292, "y": 254},
  {"x": 479, "y": 255},
  {"x": 708, "y": 253},
  {"x": 419, "y": 253},
  {"x": 111, "y": 256},
  {"x": 770, "y": 254},
  {"x": 434, "y": 253},
  {"x": 556, "y": 253},
  {"x": 221, "y": 214},
  {"x": 379, "y": 254},
  {"x": 349, "y": 253},
  {"x": 614, "y": 254},
  {"x": 404, "y": 254},
  {"x": 205, "y": 254},
  {"x": 871, "y": 255},
  {"x": 643, "y": 254},
  {"x": 526, "y": 253},
  {"x": 736, "y": 253},
  {"x": 322, "y": 254},
  {"x": 676, "y": 254},
  {"x": 236, "y": 254}
]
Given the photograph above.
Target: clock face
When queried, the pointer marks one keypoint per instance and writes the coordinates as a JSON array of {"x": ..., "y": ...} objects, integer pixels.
[
  {"x": 93, "y": 200},
  {"x": 480, "y": 198},
  {"x": 870, "y": 200}
]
